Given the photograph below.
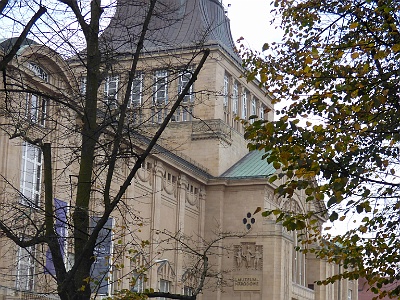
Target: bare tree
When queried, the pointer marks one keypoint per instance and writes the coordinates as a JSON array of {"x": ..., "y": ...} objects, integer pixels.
[{"x": 76, "y": 129}]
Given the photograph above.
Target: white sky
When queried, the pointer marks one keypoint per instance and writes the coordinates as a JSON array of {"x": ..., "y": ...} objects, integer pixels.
[{"x": 251, "y": 20}]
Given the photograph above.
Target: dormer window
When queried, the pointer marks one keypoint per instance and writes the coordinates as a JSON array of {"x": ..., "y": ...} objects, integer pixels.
[{"x": 38, "y": 71}]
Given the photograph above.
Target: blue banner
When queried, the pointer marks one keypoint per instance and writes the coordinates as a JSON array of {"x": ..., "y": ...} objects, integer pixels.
[{"x": 60, "y": 227}]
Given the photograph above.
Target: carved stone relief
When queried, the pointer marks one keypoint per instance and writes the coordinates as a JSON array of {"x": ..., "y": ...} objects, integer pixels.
[{"x": 248, "y": 256}]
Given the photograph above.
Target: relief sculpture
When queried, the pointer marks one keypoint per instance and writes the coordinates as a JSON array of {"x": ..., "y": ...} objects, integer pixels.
[{"x": 248, "y": 256}]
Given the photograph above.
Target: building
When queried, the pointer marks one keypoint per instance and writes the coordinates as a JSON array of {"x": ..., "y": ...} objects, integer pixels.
[{"x": 200, "y": 181}]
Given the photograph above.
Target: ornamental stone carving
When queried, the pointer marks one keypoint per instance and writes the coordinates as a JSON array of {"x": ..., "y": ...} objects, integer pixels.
[{"x": 248, "y": 256}]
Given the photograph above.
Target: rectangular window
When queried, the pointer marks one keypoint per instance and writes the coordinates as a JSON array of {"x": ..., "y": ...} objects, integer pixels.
[
  {"x": 186, "y": 113},
  {"x": 183, "y": 80},
  {"x": 165, "y": 287},
  {"x": 25, "y": 269},
  {"x": 82, "y": 85},
  {"x": 31, "y": 175},
  {"x": 138, "y": 287},
  {"x": 262, "y": 112},
  {"x": 244, "y": 105},
  {"x": 226, "y": 91},
  {"x": 137, "y": 91},
  {"x": 36, "y": 109},
  {"x": 349, "y": 295},
  {"x": 254, "y": 107},
  {"x": 111, "y": 91},
  {"x": 188, "y": 291},
  {"x": 160, "y": 92},
  {"x": 38, "y": 71},
  {"x": 235, "y": 98}
]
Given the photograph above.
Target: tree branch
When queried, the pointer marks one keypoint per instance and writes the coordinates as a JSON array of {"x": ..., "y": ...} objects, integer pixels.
[{"x": 4, "y": 62}]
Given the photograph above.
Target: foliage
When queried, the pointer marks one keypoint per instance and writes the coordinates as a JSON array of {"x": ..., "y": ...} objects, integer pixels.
[{"x": 336, "y": 75}]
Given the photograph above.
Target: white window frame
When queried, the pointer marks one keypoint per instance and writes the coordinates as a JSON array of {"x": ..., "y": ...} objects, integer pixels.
[
  {"x": 160, "y": 88},
  {"x": 165, "y": 287},
  {"x": 244, "y": 104},
  {"x": 136, "y": 95},
  {"x": 254, "y": 106},
  {"x": 139, "y": 283},
  {"x": 226, "y": 91},
  {"x": 36, "y": 109},
  {"x": 82, "y": 85},
  {"x": 183, "y": 80},
  {"x": 111, "y": 91},
  {"x": 235, "y": 98},
  {"x": 38, "y": 71},
  {"x": 25, "y": 279},
  {"x": 31, "y": 175},
  {"x": 188, "y": 290},
  {"x": 262, "y": 107}
]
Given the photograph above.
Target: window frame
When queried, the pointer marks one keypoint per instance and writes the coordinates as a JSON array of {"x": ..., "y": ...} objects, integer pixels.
[
  {"x": 183, "y": 80},
  {"x": 39, "y": 71},
  {"x": 235, "y": 98},
  {"x": 28, "y": 265},
  {"x": 32, "y": 200},
  {"x": 137, "y": 82},
  {"x": 160, "y": 88},
  {"x": 244, "y": 104},
  {"x": 168, "y": 285},
  {"x": 111, "y": 98},
  {"x": 36, "y": 109},
  {"x": 226, "y": 92}
]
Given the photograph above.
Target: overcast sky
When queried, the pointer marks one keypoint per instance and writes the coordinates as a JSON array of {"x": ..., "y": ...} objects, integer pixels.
[{"x": 251, "y": 19}]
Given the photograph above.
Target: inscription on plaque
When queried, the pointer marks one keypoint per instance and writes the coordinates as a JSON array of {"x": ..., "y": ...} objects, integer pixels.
[{"x": 247, "y": 283}]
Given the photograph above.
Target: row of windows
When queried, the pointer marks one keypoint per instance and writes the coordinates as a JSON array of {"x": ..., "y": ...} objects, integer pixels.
[
  {"x": 160, "y": 90},
  {"x": 240, "y": 104}
]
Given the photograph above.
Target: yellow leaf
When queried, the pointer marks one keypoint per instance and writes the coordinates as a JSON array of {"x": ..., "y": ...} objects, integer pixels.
[
  {"x": 396, "y": 48},
  {"x": 353, "y": 25},
  {"x": 354, "y": 55},
  {"x": 357, "y": 126}
]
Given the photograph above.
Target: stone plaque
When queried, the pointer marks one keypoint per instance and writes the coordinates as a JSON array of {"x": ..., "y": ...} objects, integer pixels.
[{"x": 247, "y": 283}]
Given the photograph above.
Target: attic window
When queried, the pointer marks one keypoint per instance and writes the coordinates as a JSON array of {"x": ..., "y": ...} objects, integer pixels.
[{"x": 38, "y": 71}]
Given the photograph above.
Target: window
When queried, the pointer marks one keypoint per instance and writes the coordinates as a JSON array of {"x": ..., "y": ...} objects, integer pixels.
[
  {"x": 186, "y": 114},
  {"x": 25, "y": 269},
  {"x": 31, "y": 175},
  {"x": 111, "y": 91},
  {"x": 188, "y": 291},
  {"x": 82, "y": 85},
  {"x": 165, "y": 287},
  {"x": 226, "y": 91},
  {"x": 38, "y": 71},
  {"x": 253, "y": 107},
  {"x": 262, "y": 112},
  {"x": 183, "y": 80},
  {"x": 235, "y": 98},
  {"x": 160, "y": 96},
  {"x": 244, "y": 105},
  {"x": 349, "y": 294},
  {"x": 36, "y": 109},
  {"x": 138, "y": 287},
  {"x": 137, "y": 91}
]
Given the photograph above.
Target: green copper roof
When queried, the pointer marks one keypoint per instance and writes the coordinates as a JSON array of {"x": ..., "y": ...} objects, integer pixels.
[{"x": 252, "y": 165}]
